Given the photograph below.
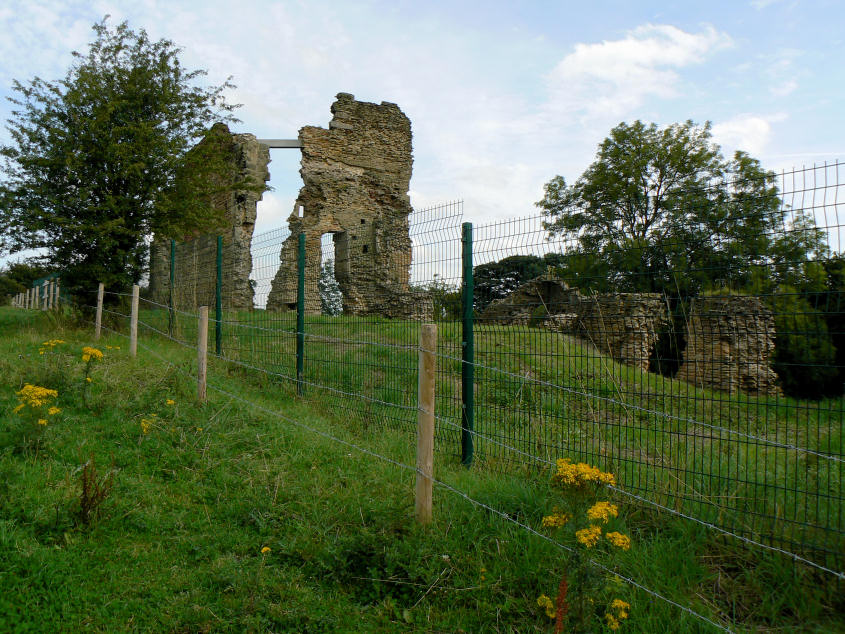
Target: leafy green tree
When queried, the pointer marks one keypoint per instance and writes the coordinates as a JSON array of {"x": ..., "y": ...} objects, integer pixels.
[
  {"x": 445, "y": 298},
  {"x": 17, "y": 277},
  {"x": 496, "y": 280},
  {"x": 805, "y": 357},
  {"x": 90, "y": 172},
  {"x": 660, "y": 210}
]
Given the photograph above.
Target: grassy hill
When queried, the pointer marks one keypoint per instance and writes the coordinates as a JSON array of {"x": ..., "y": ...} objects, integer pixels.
[{"x": 257, "y": 511}]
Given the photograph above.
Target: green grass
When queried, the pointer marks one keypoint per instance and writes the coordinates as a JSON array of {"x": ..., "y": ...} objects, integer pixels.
[
  {"x": 178, "y": 544},
  {"x": 549, "y": 395}
]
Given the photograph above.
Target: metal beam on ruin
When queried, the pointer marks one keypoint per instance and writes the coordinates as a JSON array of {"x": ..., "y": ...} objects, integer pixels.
[{"x": 281, "y": 143}]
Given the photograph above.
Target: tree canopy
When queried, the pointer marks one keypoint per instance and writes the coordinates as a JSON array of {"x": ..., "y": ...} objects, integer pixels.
[
  {"x": 661, "y": 210},
  {"x": 90, "y": 172},
  {"x": 497, "y": 280}
]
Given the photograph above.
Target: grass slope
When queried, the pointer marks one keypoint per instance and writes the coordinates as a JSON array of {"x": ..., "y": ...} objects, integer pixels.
[{"x": 178, "y": 544}]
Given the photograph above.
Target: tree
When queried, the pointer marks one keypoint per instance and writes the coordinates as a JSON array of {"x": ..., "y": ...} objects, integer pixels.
[
  {"x": 331, "y": 299},
  {"x": 496, "y": 280},
  {"x": 17, "y": 277},
  {"x": 90, "y": 173},
  {"x": 660, "y": 210}
]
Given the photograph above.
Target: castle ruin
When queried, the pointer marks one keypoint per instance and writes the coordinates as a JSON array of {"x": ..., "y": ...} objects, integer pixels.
[
  {"x": 239, "y": 188},
  {"x": 356, "y": 175},
  {"x": 730, "y": 340}
]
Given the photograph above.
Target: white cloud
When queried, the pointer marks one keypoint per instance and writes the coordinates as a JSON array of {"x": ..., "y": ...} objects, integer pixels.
[
  {"x": 612, "y": 77},
  {"x": 747, "y": 132}
]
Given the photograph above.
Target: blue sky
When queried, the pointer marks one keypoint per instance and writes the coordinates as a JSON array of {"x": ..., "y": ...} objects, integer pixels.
[{"x": 501, "y": 95}]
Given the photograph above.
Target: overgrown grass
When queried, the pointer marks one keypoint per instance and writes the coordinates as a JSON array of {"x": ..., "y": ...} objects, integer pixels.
[
  {"x": 177, "y": 544},
  {"x": 758, "y": 467}
]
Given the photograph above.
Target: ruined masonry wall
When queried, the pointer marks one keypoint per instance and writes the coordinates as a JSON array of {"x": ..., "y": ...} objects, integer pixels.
[
  {"x": 356, "y": 178},
  {"x": 196, "y": 260},
  {"x": 624, "y": 326},
  {"x": 730, "y": 343}
]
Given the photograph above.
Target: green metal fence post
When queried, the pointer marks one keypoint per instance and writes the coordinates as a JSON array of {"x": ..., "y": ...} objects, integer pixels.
[
  {"x": 170, "y": 313},
  {"x": 468, "y": 345},
  {"x": 218, "y": 299},
  {"x": 300, "y": 313}
]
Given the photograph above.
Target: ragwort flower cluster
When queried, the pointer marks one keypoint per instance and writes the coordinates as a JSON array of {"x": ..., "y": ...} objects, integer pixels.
[
  {"x": 48, "y": 346},
  {"x": 582, "y": 484},
  {"x": 36, "y": 405}
]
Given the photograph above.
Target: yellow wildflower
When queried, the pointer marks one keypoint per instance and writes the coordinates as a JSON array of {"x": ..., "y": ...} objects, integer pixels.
[
  {"x": 580, "y": 474},
  {"x": 18, "y": 408},
  {"x": 621, "y": 608},
  {"x": 619, "y": 540},
  {"x": 170, "y": 401},
  {"x": 87, "y": 379},
  {"x": 35, "y": 396},
  {"x": 89, "y": 353},
  {"x": 265, "y": 550},
  {"x": 556, "y": 519},
  {"x": 612, "y": 622},
  {"x": 588, "y": 536},
  {"x": 145, "y": 425},
  {"x": 602, "y": 511},
  {"x": 199, "y": 428},
  {"x": 42, "y": 421},
  {"x": 53, "y": 411},
  {"x": 546, "y": 603}
]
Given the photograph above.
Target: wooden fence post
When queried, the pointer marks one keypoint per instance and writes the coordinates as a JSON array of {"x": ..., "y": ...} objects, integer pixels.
[
  {"x": 202, "y": 355},
  {"x": 45, "y": 287},
  {"x": 425, "y": 422},
  {"x": 98, "y": 321},
  {"x": 133, "y": 323}
]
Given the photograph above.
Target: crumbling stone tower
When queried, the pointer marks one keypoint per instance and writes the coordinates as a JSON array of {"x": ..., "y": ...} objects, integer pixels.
[
  {"x": 356, "y": 178},
  {"x": 246, "y": 171}
]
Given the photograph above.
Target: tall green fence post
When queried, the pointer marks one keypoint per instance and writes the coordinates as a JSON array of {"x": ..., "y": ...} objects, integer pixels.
[
  {"x": 170, "y": 313},
  {"x": 300, "y": 313},
  {"x": 468, "y": 345},
  {"x": 218, "y": 299}
]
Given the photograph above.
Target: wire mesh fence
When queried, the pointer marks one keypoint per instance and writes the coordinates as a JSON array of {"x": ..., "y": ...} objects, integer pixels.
[{"x": 702, "y": 360}]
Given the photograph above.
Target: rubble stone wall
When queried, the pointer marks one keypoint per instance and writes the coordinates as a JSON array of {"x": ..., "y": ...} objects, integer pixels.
[
  {"x": 730, "y": 345},
  {"x": 356, "y": 175},
  {"x": 730, "y": 339},
  {"x": 196, "y": 258},
  {"x": 625, "y": 326}
]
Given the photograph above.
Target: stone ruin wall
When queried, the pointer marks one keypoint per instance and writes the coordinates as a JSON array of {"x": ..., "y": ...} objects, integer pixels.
[
  {"x": 730, "y": 344},
  {"x": 624, "y": 326},
  {"x": 730, "y": 339},
  {"x": 196, "y": 260},
  {"x": 356, "y": 176}
]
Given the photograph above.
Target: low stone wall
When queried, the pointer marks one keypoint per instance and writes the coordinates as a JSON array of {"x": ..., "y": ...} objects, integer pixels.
[
  {"x": 730, "y": 344},
  {"x": 624, "y": 326}
]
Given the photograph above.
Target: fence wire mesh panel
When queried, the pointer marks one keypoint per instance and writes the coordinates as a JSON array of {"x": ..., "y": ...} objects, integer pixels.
[
  {"x": 362, "y": 333},
  {"x": 697, "y": 354},
  {"x": 694, "y": 345}
]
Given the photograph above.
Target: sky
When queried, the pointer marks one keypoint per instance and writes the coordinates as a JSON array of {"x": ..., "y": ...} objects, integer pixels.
[{"x": 502, "y": 96}]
